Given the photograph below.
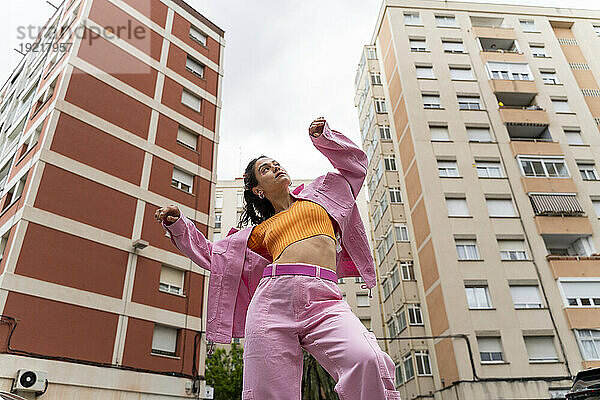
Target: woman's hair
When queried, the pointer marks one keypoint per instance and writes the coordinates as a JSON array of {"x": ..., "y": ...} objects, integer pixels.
[{"x": 256, "y": 210}]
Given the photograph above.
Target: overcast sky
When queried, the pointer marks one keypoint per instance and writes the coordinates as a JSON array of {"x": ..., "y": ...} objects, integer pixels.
[{"x": 286, "y": 63}]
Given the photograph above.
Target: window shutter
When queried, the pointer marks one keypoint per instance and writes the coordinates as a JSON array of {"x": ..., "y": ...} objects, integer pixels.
[
  {"x": 500, "y": 207},
  {"x": 171, "y": 276},
  {"x": 581, "y": 289},
  {"x": 540, "y": 348},
  {"x": 164, "y": 339},
  {"x": 183, "y": 177},
  {"x": 187, "y": 138},
  {"x": 194, "y": 66},
  {"x": 479, "y": 134},
  {"x": 461, "y": 74},
  {"x": 191, "y": 100},
  {"x": 489, "y": 344},
  {"x": 525, "y": 294}
]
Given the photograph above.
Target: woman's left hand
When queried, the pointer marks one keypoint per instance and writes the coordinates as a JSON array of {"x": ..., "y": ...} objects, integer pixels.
[{"x": 316, "y": 127}]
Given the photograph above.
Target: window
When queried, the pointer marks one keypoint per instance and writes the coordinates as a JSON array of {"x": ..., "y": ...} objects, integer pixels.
[
  {"x": 461, "y": 74},
  {"x": 561, "y": 106},
  {"x": 589, "y": 343},
  {"x": 3, "y": 242},
  {"x": 187, "y": 138},
  {"x": 417, "y": 45},
  {"x": 164, "y": 340},
  {"x": 457, "y": 207},
  {"x": 182, "y": 180},
  {"x": 171, "y": 280},
  {"x": 488, "y": 169},
  {"x": 490, "y": 349},
  {"x": 390, "y": 163},
  {"x": 439, "y": 133},
  {"x": 401, "y": 232},
  {"x": 544, "y": 167},
  {"x": 500, "y": 208},
  {"x": 431, "y": 101},
  {"x": 549, "y": 78},
  {"x": 596, "y": 204},
  {"x": 362, "y": 300},
  {"x": 597, "y": 29},
  {"x": 466, "y": 249},
  {"x": 384, "y": 132},
  {"x": 582, "y": 293},
  {"x": 395, "y": 195},
  {"x": 409, "y": 371},
  {"x": 401, "y": 320},
  {"x": 408, "y": 272},
  {"x": 391, "y": 325},
  {"x": 412, "y": 19},
  {"x": 453, "y": 46},
  {"x": 469, "y": 103},
  {"x": 197, "y": 35},
  {"x": 218, "y": 218},
  {"x": 573, "y": 136},
  {"x": 422, "y": 360},
  {"x": 240, "y": 199},
  {"x": 398, "y": 375},
  {"x": 512, "y": 250},
  {"x": 194, "y": 66},
  {"x": 219, "y": 200},
  {"x": 425, "y": 72},
  {"x": 414, "y": 314},
  {"x": 528, "y": 25},
  {"x": 540, "y": 348},
  {"x": 192, "y": 101},
  {"x": 386, "y": 288},
  {"x": 478, "y": 297},
  {"x": 538, "y": 50},
  {"x": 366, "y": 322},
  {"x": 394, "y": 277},
  {"x": 526, "y": 296},
  {"x": 359, "y": 279},
  {"x": 371, "y": 54},
  {"x": 588, "y": 172},
  {"x": 447, "y": 168},
  {"x": 375, "y": 78},
  {"x": 509, "y": 71},
  {"x": 380, "y": 105},
  {"x": 216, "y": 236},
  {"x": 479, "y": 134},
  {"x": 445, "y": 21}
]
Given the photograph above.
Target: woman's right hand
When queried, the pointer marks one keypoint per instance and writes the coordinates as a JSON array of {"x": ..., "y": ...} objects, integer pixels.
[{"x": 169, "y": 214}]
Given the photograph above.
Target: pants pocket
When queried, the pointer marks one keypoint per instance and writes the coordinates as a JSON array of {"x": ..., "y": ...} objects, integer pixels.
[
  {"x": 383, "y": 369},
  {"x": 247, "y": 395}
]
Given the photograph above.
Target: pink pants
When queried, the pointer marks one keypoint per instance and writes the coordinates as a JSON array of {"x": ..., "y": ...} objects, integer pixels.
[{"x": 291, "y": 312}]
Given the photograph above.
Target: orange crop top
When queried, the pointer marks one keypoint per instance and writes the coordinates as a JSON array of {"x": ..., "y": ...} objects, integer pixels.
[{"x": 302, "y": 220}]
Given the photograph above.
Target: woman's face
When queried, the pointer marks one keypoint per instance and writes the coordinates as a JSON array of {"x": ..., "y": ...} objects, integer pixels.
[{"x": 270, "y": 175}]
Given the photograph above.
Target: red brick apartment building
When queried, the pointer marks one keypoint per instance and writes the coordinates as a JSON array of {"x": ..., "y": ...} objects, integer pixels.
[{"x": 96, "y": 134}]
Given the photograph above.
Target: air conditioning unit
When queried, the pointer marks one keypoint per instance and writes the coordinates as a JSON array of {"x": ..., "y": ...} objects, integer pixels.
[{"x": 30, "y": 381}]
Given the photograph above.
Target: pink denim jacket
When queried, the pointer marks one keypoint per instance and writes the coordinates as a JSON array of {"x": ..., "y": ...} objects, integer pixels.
[{"x": 235, "y": 270}]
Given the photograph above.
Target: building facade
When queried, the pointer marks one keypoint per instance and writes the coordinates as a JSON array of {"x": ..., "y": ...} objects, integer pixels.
[
  {"x": 113, "y": 114},
  {"x": 229, "y": 203},
  {"x": 481, "y": 126}
]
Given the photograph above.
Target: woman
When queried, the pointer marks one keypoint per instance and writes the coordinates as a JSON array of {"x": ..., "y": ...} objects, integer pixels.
[{"x": 293, "y": 257}]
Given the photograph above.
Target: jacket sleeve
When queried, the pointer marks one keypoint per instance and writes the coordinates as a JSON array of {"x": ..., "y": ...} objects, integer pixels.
[
  {"x": 344, "y": 155},
  {"x": 190, "y": 241}
]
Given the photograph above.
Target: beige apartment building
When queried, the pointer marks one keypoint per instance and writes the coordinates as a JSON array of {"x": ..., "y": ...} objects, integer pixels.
[
  {"x": 228, "y": 207},
  {"x": 481, "y": 126}
]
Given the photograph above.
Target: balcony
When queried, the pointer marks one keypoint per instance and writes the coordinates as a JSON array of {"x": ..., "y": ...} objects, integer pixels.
[
  {"x": 494, "y": 32},
  {"x": 514, "y": 92},
  {"x": 564, "y": 236},
  {"x": 535, "y": 147},
  {"x": 525, "y": 123},
  {"x": 498, "y": 45},
  {"x": 574, "y": 266}
]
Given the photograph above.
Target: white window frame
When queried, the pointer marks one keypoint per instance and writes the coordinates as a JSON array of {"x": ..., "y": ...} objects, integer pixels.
[
  {"x": 512, "y": 250},
  {"x": 457, "y": 207},
  {"x": 498, "y": 355},
  {"x": 461, "y": 74},
  {"x": 588, "y": 171},
  {"x": 563, "y": 108},
  {"x": 478, "y": 297},
  {"x": 469, "y": 103},
  {"x": 161, "y": 337},
  {"x": 493, "y": 205},
  {"x": 431, "y": 101},
  {"x": 526, "y": 300},
  {"x": 194, "y": 66},
  {"x": 414, "y": 18},
  {"x": 425, "y": 72},
  {"x": 594, "y": 343},
  {"x": 549, "y": 78},
  {"x": 408, "y": 270},
  {"x": 544, "y": 359},
  {"x": 423, "y": 363},
  {"x": 375, "y": 78},
  {"x": 485, "y": 168},
  {"x": 418, "y": 45},
  {"x": 415, "y": 316},
  {"x": 584, "y": 300},
  {"x": 435, "y": 132},
  {"x": 171, "y": 287},
  {"x": 187, "y": 138},
  {"x": 548, "y": 165},
  {"x": 466, "y": 249},
  {"x": 453, "y": 46},
  {"x": 476, "y": 134},
  {"x": 446, "y": 21},
  {"x": 182, "y": 180},
  {"x": 447, "y": 169},
  {"x": 395, "y": 195},
  {"x": 191, "y": 100},
  {"x": 380, "y": 106},
  {"x": 401, "y": 232},
  {"x": 198, "y": 36}
]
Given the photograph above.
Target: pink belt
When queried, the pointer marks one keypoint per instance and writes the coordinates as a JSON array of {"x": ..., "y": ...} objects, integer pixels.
[{"x": 300, "y": 269}]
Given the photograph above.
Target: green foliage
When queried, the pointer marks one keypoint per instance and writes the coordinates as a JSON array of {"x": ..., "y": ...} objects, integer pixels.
[
  {"x": 224, "y": 372},
  {"x": 317, "y": 384}
]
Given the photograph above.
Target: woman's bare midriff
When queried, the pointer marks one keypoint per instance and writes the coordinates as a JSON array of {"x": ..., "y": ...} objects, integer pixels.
[{"x": 318, "y": 250}]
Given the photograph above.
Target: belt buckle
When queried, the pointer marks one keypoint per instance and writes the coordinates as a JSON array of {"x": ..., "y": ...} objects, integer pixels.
[{"x": 273, "y": 270}]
